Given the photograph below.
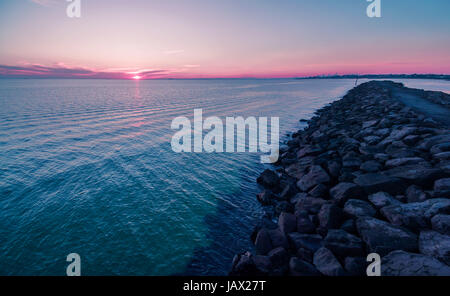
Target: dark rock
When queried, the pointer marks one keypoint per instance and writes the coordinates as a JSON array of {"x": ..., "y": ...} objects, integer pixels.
[
  {"x": 278, "y": 239},
  {"x": 319, "y": 191},
  {"x": 278, "y": 257},
  {"x": 310, "y": 204},
  {"x": 243, "y": 265},
  {"x": 263, "y": 223},
  {"x": 344, "y": 191},
  {"x": 382, "y": 199},
  {"x": 403, "y": 161},
  {"x": 382, "y": 237},
  {"x": 371, "y": 166},
  {"x": 316, "y": 176},
  {"x": 434, "y": 244},
  {"x": 309, "y": 151},
  {"x": 310, "y": 242},
  {"x": 343, "y": 244},
  {"x": 262, "y": 264},
  {"x": 400, "y": 263},
  {"x": 327, "y": 264},
  {"x": 442, "y": 188},
  {"x": 330, "y": 216},
  {"x": 415, "y": 194},
  {"x": 266, "y": 197},
  {"x": 375, "y": 182},
  {"x": 287, "y": 222},
  {"x": 421, "y": 175},
  {"x": 284, "y": 206},
  {"x": 288, "y": 191},
  {"x": 349, "y": 226},
  {"x": 263, "y": 245},
  {"x": 441, "y": 223},
  {"x": 351, "y": 163},
  {"x": 269, "y": 179},
  {"x": 298, "y": 267},
  {"x": 359, "y": 208},
  {"x": 304, "y": 224},
  {"x": 416, "y": 215},
  {"x": 305, "y": 255},
  {"x": 334, "y": 168},
  {"x": 355, "y": 266},
  {"x": 411, "y": 140}
]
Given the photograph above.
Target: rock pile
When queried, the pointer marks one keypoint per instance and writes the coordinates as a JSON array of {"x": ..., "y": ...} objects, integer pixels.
[{"x": 368, "y": 175}]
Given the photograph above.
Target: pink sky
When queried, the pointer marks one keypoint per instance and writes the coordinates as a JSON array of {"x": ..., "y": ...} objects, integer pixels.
[{"x": 206, "y": 39}]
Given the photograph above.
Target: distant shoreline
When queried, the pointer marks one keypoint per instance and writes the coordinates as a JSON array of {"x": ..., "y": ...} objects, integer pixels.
[{"x": 349, "y": 76}]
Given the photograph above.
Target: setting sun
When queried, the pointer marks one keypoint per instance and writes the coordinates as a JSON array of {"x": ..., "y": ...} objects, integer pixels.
[{"x": 137, "y": 77}]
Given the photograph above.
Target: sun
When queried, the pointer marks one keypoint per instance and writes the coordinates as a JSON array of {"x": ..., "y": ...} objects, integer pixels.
[{"x": 137, "y": 77}]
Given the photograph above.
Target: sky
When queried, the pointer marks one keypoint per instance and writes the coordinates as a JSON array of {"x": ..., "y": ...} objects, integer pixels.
[{"x": 222, "y": 38}]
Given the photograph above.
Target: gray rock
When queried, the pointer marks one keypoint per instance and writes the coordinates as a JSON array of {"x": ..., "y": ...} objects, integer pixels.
[
  {"x": 442, "y": 156},
  {"x": 434, "y": 244},
  {"x": 262, "y": 263},
  {"x": 277, "y": 238},
  {"x": 441, "y": 223},
  {"x": 327, "y": 264},
  {"x": 355, "y": 266},
  {"x": 371, "y": 166},
  {"x": 298, "y": 267},
  {"x": 416, "y": 215},
  {"x": 266, "y": 197},
  {"x": 310, "y": 242},
  {"x": 403, "y": 161},
  {"x": 344, "y": 191},
  {"x": 382, "y": 237},
  {"x": 415, "y": 194},
  {"x": 372, "y": 140},
  {"x": 343, "y": 244},
  {"x": 315, "y": 176},
  {"x": 383, "y": 199},
  {"x": 330, "y": 216},
  {"x": 359, "y": 208},
  {"x": 375, "y": 182},
  {"x": 309, "y": 204},
  {"x": 400, "y": 263},
  {"x": 287, "y": 222},
  {"x": 420, "y": 174},
  {"x": 442, "y": 188}
]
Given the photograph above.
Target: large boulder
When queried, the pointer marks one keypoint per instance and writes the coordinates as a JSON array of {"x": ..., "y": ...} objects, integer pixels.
[
  {"x": 355, "y": 266},
  {"x": 416, "y": 215},
  {"x": 310, "y": 242},
  {"x": 383, "y": 199},
  {"x": 315, "y": 176},
  {"x": 420, "y": 174},
  {"x": 327, "y": 264},
  {"x": 343, "y": 244},
  {"x": 344, "y": 191},
  {"x": 401, "y": 263},
  {"x": 310, "y": 204},
  {"x": 382, "y": 237},
  {"x": 403, "y": 161},
  {"x": 375, "y": 182},
  {"x": 262, "y": 243},
  {"x": 269, "y": 179},
  {"x": 442, "y": 188},
  {"x": 330, "y": 216},
  {"x": 287, "y": 222},
  {"x": 359, "y": 208},
  {"x": 434, "y": 244},
  {"x": 441, "y": 223},
  {"x": 298, "y": 267}
]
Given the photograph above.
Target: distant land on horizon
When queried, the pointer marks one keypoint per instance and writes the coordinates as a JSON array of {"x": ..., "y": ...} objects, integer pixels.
[
  {"x": 380, "y": 76},
  {"x": 336, "y": 76}
]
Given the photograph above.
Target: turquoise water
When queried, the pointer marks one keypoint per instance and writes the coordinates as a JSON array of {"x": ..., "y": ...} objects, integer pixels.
[{"x": 86, "y": 166}]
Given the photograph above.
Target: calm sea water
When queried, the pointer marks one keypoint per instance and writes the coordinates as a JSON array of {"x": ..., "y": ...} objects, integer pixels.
[{"x": 86, "y": 166}]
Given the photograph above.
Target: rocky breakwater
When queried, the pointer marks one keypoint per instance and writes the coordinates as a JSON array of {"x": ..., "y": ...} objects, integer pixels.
[{"x": 368, "y": 175}]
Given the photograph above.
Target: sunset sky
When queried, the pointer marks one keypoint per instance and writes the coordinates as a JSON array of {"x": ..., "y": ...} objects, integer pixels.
[{"x": 222, "y": 38}]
